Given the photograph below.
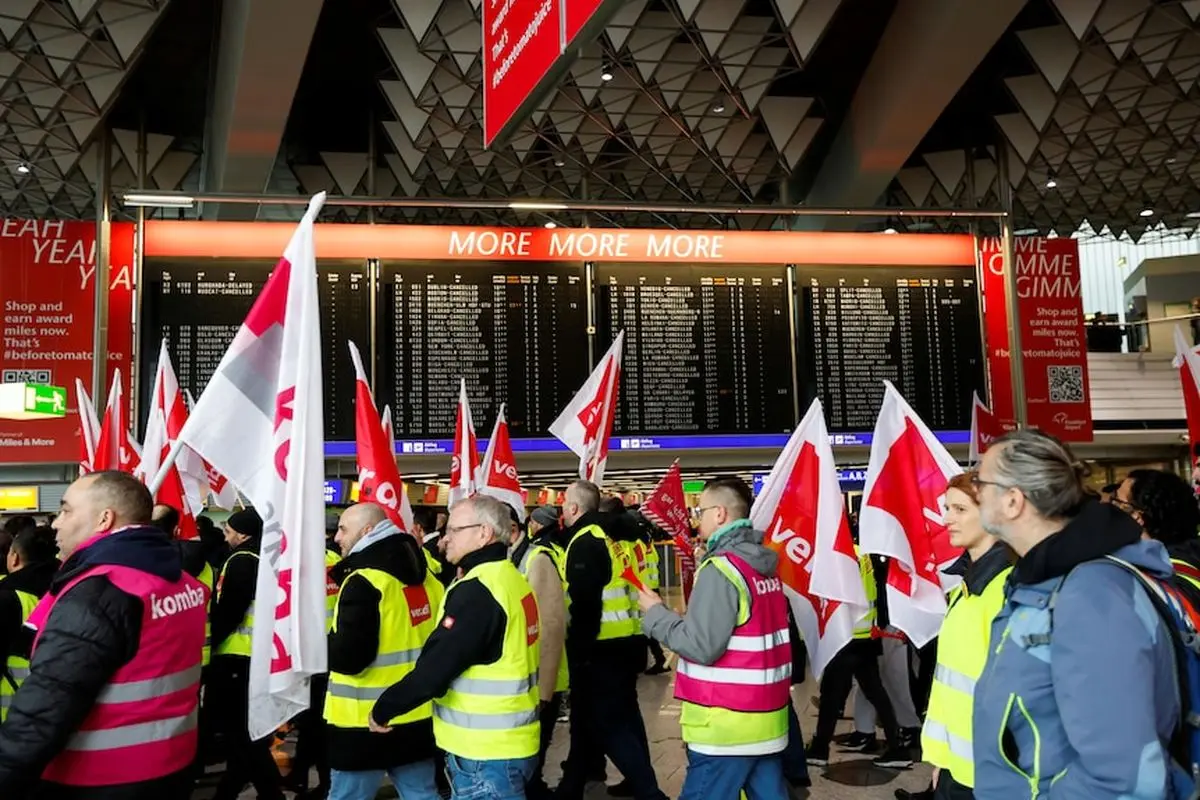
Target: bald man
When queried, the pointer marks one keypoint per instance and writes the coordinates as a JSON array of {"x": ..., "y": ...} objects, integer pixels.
[
  {"x": 385, "y": 612},
  {"x": 109, "y": 707}
]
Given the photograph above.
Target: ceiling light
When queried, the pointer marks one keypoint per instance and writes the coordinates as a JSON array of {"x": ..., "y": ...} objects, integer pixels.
[
  {"x": 1171, "y": 160},
  {"x": 1050, "y": 184},
  {"x": 551, "y": 224},
  {"x": 1026, "y": 232},
  {"x": 1193, "y": 215},
  {"x": 558, "y": 162},
  {"x": 718, "y": 107},
  {"x": 23, "y": 168},
  {"x": 889, "y": 230},
  {"x": 149, "y": 200},
  {"x": 533, "y": 206},
  {"x": 606, "y": 73},
  {"x": 1146, "y": 212}
]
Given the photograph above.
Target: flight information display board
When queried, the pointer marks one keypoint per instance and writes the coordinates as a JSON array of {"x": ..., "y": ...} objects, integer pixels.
[
  {"x": 516, "y": 332},
  {"x": 199, "y": 306},
  {"x": 706, "y": 348},
  {"x": 915, "y": 326}
]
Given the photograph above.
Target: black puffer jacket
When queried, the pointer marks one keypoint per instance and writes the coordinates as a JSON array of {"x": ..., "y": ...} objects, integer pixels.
[
  {"x": 93, "y": 631},
  {"x": 15, "y": 638},
  {"x": 353, "y": 645}
]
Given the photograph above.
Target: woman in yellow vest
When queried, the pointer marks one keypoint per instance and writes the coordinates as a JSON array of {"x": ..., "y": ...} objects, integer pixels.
[
  {"x": 946, "y": 739},
  {"x": 479, "y": 667},
  {"x": 31, "y": 563}
]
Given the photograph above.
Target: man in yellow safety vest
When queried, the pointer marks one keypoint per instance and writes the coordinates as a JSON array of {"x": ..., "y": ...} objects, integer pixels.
[
  {"x": 480, "y": 664},
  {"x": 31, "y": 562}
]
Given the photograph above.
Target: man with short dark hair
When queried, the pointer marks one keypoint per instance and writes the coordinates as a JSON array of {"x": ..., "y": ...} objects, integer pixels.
[
  {"x": 109, "y": 707},
  {"x": 32, "y": 562}
]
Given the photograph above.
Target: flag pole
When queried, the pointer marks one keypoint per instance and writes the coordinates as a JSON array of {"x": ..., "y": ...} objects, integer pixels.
[{"x": 168, "y": 462}]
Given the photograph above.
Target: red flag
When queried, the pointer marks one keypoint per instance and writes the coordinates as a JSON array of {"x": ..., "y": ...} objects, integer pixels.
[
  {"x": 903, "y": 515},
  {"x": 801, "y": 511},
  {"x": 89, "y": 429},
  {"x": 586, "y": 424},
  {"x": 464, "y": 464},
  {"x": 666, "y": 508},
  {"x": 115, "y": 448},
  {"x": 986, "y": 428},
  {"x": 378, "y": 476},
  {"x": 168, "y": 414},
  {"x": 1188, "y": 360},
  {"x": 498, "y": 472}
]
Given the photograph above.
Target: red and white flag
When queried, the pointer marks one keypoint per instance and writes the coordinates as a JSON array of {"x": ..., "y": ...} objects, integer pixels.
[
  {"x": 903, "y": 517},
  {"x": 89, "y": 428},
  {"x": 115, "y": 447},
  {"x": 389, "y": 430},
  {"x": 586, "y": 424},
  {"x": 1188, "y": 360},
  {"x": 801, "y": 511},
  {"x": 464, "y": 464},
  {"x": 667, "y": 509},
  {"x": 986, "y": 428},
  {"x": 498, "y": 471},
  {"x": 378, "y": 476},
  {"x": 259, "y": 422},
  {"x": 168, "y": 414},
  {"x": 219, "y": 490}
]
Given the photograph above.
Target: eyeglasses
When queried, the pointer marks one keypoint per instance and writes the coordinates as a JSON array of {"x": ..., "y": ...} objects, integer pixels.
[
  {"x": 1124, "y": 505},
  {"x": 698, "y": 512},
  {"x": 453, "y": 529},
  {"x": 979, "y": 482}
]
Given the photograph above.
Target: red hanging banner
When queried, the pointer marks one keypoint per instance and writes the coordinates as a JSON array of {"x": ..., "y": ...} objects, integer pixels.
[{"x": 1050, "y": 315}]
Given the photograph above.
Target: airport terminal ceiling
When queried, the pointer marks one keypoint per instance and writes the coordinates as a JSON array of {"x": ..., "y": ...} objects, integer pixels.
[{"x": 1093, "y": 104}]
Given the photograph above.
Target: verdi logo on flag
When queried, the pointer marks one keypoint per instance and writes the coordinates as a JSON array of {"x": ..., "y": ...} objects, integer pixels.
[
  {"x": 379, "y": 479},
  {"x": 586, "y": 424},
  {"x": 499, "y": 469}
]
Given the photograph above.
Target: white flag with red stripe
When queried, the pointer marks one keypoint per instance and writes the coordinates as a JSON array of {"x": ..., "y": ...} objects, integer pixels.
[
  {"x": 212, "y": 485},
  {"x": 986, "y": 428},
  {"x": 464, "y": 464},
  {"x": 115, "y": 447},
  {"x": 389, "y": 430},
  {"x": 378, "y": 476},
  {"x": 586, "y": 424},
  {"x": 1187, "y": 358},
  {"x": 903, "y": 517},
  {"x": 260, "y": 422},
  {"x": 498, "y": 472},
  {"x": 800, "y": 509},
  {"x": 89, "y": 428},
  {"x": 168, "y": 414}
]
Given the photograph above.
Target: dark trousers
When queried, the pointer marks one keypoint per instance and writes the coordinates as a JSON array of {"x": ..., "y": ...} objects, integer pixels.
[
  {"x": 312, "y": 741},
  {"x": 795, "y": 764},
  {"x": 606, "y": 718},
  {"x": 922, "y": 682},
  {"x": 859, "y": 661},
  {"x": 950, "y": 789},
  {"x": 656, "y": 651},
  {"x": 245, "y": 761},
  {"x": 537, "y": 789}
]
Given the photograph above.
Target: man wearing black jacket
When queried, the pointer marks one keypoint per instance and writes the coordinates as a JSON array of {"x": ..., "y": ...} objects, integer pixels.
[
  {"x": 605, "y": 654},
  {"x": 385, "y": 607},
  {"x": 32, "y": 561},
  {"x": 94, "y": 630},
  {"x": 232, "y": 622}
]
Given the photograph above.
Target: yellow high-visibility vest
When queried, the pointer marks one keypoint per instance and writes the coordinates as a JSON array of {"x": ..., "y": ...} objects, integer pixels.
[
  {"x": 332, "y": 559},
  {"x": 17, "y": 668},
  {"x": 946, "y": 738},
  {"x": 862, "y": 628},
  {"x": 557, "y": 557},
  {"x": 490, "y": 712},
  {"x": 238, "y": 643},
  {"x": 207, "y": 577},
  {"x": 618, "y": 613},
  {"x": 406, "y": 619},
  {"x": 651, "y": 578}
]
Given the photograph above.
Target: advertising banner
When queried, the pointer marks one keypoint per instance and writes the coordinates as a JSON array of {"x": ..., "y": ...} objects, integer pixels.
[
  {"x": 47, "y": 279},
  {"x": 521, "y": 41},
  {"x": 1050, "y": 315}
]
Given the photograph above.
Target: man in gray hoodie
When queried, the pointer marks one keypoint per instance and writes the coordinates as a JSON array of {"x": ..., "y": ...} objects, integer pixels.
[{"x": 735, "y": 658}]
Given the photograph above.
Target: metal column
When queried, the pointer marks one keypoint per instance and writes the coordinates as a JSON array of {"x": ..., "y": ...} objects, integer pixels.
[
  {"x": 1011, "y": 299},
  {"x": 103, "y": 269},
  {"x": 139, "y": 251}
]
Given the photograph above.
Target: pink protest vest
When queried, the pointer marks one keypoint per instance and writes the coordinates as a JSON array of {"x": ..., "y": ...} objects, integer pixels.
[
  {"x": 754, "y": 674},
  {"x": 143, "y": 725}
]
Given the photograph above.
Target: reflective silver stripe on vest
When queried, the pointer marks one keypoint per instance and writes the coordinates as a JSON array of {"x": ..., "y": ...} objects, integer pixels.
[
  {"x": 132, "y": 735},
  {"x": 242, "y": 630},
  {"x": 959, "y": 747},
  {"x": 759, "y": 644},
  {"x": 954, "y": 679},
  {"x": 615, "y": 594},
  {"x": 355, "y": 692},
  {"x": 149, "y": 689},
  {"x": 741, "y": 677},
  {"x": 396, "y": 658},
  {"x": 495, "y": 688},
  {"x": 485, "y": 722},
  {"x": 19, "y": 673},
  {"x": 615, "y": 616},
  {"x": 6, "y": 700}
]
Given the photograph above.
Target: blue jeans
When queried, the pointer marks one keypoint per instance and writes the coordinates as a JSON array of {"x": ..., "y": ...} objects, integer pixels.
[
  {"x": 725, "y": 777},
  {"x": 488, "y": 780},
  {"x": 412, "y": 781}
]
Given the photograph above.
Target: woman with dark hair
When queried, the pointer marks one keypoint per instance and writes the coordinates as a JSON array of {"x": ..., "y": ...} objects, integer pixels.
[
  {"x": 946, "y": 739},
  {"x": 1164, "y": 505}
]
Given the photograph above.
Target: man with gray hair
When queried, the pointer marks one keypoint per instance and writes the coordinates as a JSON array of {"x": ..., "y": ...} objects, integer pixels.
[
  {"x": 480, "y": 664},
  {"x": 1078, "y": 699}
]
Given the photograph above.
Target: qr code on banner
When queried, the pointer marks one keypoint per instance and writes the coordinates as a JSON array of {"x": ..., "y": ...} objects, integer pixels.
[
  {"x": 1066, "y": 384},
  {"x": 25, "y": 376}
]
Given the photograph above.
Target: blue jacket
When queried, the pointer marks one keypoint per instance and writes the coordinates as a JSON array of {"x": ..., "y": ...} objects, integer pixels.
[{"x": 1088, "y": 715}]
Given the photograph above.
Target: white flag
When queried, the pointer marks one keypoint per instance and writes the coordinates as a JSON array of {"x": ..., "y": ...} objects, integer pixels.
[
  {"x": 89, "y": 428},
  {"x": 586, "y": 423},
  {"x": 259, "y": 422},
  {"x": 903, "y": 517},
  {"x": 498, "y": 473},
  {"x": 464, "y": 464},
  {"x": 213, "y": 486},
  {"x": 801, "y": 511}
]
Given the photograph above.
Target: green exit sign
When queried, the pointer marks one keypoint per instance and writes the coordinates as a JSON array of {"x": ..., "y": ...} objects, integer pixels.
[
  {"x": 22, "y": 401},
  {"x": 693, "y": 487}
]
